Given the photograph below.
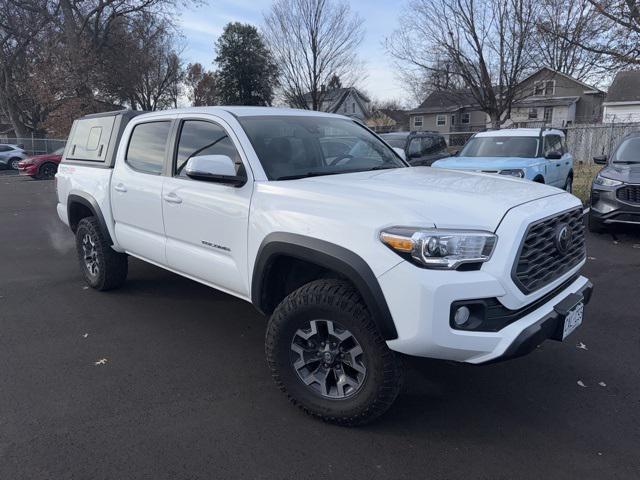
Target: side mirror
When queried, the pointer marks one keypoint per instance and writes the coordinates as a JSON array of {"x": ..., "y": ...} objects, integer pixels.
[
  {"x": 214, "y": 168},
  {"x": 555, "y": 155},
  {"x": 400, "y": 152},
  {"x": 600, "y": 159}
]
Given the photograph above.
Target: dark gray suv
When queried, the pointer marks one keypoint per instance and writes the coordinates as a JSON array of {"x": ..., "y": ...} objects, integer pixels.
[
  {"x": 615, "y": 192},
  {"x": 420, "y": 148}
]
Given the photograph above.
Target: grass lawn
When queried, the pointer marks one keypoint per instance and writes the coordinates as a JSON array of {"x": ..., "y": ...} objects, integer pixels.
[{"x": 583, "y": 176}]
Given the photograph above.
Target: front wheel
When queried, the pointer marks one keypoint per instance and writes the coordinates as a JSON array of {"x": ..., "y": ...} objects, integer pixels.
[
  {"x": 568, "y": 185},
  {"x": 328, "y": 356},
  {"x": 102, "y": 266},
  {"x": 47, "y": 171}
]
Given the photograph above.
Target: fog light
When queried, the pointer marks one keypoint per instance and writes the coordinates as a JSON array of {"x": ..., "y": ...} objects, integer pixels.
[{"x": 461, "y": 317}]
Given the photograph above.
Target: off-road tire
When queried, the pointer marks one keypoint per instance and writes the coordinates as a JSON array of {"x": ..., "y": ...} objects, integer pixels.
[
  {"x": 112, "y": 266},
  {"x": 337, "y": 301}
]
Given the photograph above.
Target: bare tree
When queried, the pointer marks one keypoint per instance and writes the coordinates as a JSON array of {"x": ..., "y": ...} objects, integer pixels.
[
  {"x": 311, "y": 41},
  {"x": 563, "y": 25},
  {"x": 486, "y": 44},
  {"x": 201, "y": 85}
]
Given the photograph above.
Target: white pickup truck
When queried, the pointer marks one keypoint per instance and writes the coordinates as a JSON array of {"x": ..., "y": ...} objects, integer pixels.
[{"x": 356, "y": 257}]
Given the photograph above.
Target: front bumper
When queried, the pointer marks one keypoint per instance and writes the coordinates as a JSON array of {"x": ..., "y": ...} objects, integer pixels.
[
  {"x": 420, "y": 300},
  {"x": 608, "y": 209},
  {"x": 28, "y": 169}
]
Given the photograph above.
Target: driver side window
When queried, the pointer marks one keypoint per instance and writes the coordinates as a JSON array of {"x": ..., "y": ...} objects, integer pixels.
[
  {"x": 198, "y": 138},
  {"x": 552, "y": 143}
]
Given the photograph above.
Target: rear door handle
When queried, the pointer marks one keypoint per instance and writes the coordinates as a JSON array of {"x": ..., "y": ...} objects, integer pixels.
[
  {"x": 120, "y": 188},
  {"x": 172, "y": 198}
]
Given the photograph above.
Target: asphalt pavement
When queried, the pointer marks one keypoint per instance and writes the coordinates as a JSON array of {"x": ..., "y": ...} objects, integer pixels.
[{"x": 166, "y": 378}]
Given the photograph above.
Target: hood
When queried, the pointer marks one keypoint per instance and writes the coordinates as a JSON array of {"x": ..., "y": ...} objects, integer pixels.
[
  {"x": 417, "y": 196},
  {"x": 483, "y": 163},
  {"x": 46, "y": 156},
  {"x": 622, "y": 172}
]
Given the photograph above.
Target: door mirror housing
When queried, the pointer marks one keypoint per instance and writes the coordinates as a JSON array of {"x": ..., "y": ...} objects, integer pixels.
[
  {"x": 400, "y": 152},
  {"x": 555, "y": 155},
  {"x": 600, "y": 159},
  {"x": 214, "y": 168}
]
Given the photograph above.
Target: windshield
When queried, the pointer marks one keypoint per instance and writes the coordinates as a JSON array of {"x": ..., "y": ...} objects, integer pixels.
[
  {"x": 628, "y": 151},
  {"x": 526, "y": 147},
  {"x": 395, "y": 141},
  {"x": 292, "y": 147}
]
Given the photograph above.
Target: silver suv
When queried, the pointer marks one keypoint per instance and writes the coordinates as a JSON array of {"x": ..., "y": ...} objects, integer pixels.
[{"x": 10, "y": 155}]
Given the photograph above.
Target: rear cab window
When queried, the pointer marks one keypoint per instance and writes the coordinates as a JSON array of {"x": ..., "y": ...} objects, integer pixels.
[{"x": 147, "y": 147}]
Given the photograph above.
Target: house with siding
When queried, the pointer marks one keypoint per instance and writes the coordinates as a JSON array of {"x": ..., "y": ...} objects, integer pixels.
[
  {"x": 448, "y": 111},
  {"x": 345, "y": 101},
  {"x": 553, "y": 99},
  {"x": 622, "y": 104}
]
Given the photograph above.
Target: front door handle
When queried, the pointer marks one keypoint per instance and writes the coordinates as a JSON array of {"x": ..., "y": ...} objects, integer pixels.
[
  {"x": 120, "y": 188},
  {"x": 172, "y": 198}
]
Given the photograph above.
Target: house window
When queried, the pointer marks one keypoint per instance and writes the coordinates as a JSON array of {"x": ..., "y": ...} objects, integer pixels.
[
  {"x": 466, "y": 118},
  {"x": 353, "y": 107},
  {"x": 441, "y": 120},
  {"x": 544, "y": 87},
  {"x": 453, "y": 119},
  {"x": 548, "y": 114},
  {"x": 533, "y": 114},
  {"x": 417, "y": 122}
]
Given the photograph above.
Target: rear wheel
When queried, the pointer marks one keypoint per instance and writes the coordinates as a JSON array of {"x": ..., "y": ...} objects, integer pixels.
[
  {"x": 47, "y": 171},
  {"x": 13, "y": 163},
  {"x": 328, "y": 356},
  {"x": 102, "y": 266}
]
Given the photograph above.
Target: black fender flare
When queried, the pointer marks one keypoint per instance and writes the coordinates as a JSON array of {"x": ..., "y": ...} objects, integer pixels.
[
  {"x": 327, "y": 255},
  {"x": 91, "y": 203}
]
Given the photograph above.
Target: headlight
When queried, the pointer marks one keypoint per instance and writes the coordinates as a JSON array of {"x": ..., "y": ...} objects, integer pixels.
[
  {"x": 606, "y": 182},
  {"x": 513, "y": 173},
  {"x": 440, "y": 248}
]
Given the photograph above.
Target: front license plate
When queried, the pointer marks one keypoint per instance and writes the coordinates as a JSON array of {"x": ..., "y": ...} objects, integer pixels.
[{"x": 572, "y": 320}]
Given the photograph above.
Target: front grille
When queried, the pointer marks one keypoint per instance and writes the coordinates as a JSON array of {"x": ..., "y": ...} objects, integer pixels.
[
  {"x": 629, "y": 193},
  {"x": 540, "y": 260}
]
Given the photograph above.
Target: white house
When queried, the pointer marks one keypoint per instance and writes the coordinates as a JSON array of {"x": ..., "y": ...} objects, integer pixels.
[{"x": 622, "y": 104}]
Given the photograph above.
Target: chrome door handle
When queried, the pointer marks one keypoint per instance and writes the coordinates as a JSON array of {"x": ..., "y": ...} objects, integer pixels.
[
  {"x": 120, "y": 188},
  {"x": 172, "y": 198}
]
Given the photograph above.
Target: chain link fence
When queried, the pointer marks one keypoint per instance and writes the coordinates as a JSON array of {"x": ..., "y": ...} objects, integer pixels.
[
  {"x": 586, "y": 141},
  {"x": 36, "y": 146}
]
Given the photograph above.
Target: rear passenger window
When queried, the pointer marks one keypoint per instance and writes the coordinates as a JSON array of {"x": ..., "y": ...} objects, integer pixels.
[
  {"x": 552, "y": 143},
  {"x": 198, "y": 138},
  {"x": 147, "y": 147}
]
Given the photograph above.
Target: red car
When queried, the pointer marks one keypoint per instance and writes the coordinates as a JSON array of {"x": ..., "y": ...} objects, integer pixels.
[{"x": 41, "y": 166}]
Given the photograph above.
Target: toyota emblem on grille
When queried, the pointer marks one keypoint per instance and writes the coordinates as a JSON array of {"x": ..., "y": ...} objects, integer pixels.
[{"x": 563, "y": 238}]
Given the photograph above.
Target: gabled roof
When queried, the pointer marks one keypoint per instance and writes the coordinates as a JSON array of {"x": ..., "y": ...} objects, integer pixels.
[
  {"x": 625, "y": 87},
  {"x": 338, "y": 95},
  {"x": 555, "y": 72},
  {"x": 446, "y": 101}
]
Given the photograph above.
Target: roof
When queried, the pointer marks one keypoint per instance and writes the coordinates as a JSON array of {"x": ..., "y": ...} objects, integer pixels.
[
  {"x": 519, "y": 132},
  {"x": 337, "y": 95},
  {"x": 446, "y": 101},
  {"x": 398, "y": 116},
  {"x": 625, "y": 87},
  {"x": 585, "y": 85},
  {"x": 546, "y": 101},
  {"x": 239, "y": 111}
]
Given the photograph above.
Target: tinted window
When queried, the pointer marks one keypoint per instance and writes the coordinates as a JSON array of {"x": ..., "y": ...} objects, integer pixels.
[
  {"x": 552, "y": 143},
  {"x": 415, "y": 147},
  {"x": 395, "y": 140},
  {"x": 628, "y": 151},
  {"x": 198, "y": 138},
  {"x": 526, "y": 147},
  {"x": 299, "y": 146},
  {"x": 147, "y": 146},
  {"x": 5, "y": 148}
]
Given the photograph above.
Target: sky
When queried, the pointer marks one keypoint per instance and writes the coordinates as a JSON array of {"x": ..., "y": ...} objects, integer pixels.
[{"x": 202, "y": 25}]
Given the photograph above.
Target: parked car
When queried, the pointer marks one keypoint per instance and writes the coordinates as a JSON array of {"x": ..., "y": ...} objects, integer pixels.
[
  {"x": 537, "y": 154},
  {"x": 10, "y": 156},
  {"x": 615, "y": 191},
  {"x": 41, "y": 166},
  {"x": 355, "y": 257},
  {"x": 420, "y": 148}
]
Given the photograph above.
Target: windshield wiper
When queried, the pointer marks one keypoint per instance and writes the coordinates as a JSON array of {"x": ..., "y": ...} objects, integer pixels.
[{"x": 320, "y": 173}]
